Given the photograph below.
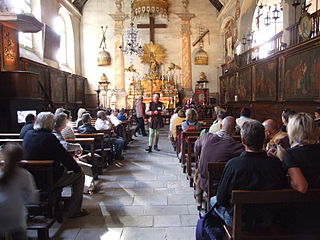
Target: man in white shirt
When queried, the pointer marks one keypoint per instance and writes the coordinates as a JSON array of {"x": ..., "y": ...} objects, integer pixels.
[
  {"x": 104, "y": 123},
  {"x": 113, "y": 117}
]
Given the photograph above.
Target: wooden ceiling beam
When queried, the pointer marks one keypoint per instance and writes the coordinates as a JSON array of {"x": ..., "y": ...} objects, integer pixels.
[{"x": 217, "y": 4}]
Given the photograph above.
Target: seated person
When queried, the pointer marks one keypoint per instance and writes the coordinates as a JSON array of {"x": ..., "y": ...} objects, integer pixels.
[
  {"x": 102, "y": 123},
  {"x": 173, "y": 117},
  {"x": 191, "y": 122},
  {"x": 30, "y": 119},
  {"x": 119, "y": 127},
  {"x": 252, "y": 170},
  {"x": 41, "y": 144},
  {"x": 122, "y": 116},
  {"x": 68, "y": 132},
  {"x": 302, "y": 163},
  {"x": 79, "y": 119},
  {"x": 317, "y": 116},
  {"x": 178, "y": 121},
  {"x": 245, "y": 114},
  {"x": 86, "y": 126},
  {"x": 114, "y": 117},
  {"x": 17, "y": 188},
  {"x": 60, "y": 124},
  {"x": 286, "y": 114},
  {"x": 276, "y": 141},
  {"x": 217, "y": 147},
  {"x": 216, "y": 125}
]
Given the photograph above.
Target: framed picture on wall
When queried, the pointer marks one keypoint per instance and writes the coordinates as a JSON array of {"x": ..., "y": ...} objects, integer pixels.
[
  {"x": 201, "y": 96},
  {"x": 264, "y": 79},
  {"x": 244, "y": 85},
  {"x": 301, "y": 75}
]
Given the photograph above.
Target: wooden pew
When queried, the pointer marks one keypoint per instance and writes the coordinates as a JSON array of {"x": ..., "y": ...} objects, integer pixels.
[
  {"x": 191, "y": 159},
  {"x": 87, "y": 141},
  {"x": 9, "y": 135},
  {"x": 184, "y": 146},
  {"x": 215, "y": 170},
  {"x": 43, "y": 222},
  {"x": 241, "y": 198}
]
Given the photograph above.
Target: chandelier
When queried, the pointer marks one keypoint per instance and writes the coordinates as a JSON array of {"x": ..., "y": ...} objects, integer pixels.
[
  {"x": 142, "y": 8},
  {"x": 132, "y": 46}
]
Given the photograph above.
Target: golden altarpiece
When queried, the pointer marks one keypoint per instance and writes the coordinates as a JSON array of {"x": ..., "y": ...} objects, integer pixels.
[{"x": 157, "y": 80}]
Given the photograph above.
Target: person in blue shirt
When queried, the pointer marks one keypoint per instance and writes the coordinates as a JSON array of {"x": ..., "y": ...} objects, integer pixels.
[{"x": 122, "y": 115}]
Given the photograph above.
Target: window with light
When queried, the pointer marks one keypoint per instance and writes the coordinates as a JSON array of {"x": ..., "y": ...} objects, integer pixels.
[
  {"x": 267, "y": 22},
  {"x": 60, "y": 28},
  {"x": 23, "y": 7}
]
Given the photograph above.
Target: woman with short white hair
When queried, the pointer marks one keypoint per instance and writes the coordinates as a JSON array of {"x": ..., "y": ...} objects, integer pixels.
[
  {"x": 302, "y": 159},
  {"x": 44, "y": 121}
]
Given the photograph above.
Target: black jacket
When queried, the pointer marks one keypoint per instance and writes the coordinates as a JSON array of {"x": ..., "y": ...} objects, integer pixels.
[{"x": 43, "y": 145}]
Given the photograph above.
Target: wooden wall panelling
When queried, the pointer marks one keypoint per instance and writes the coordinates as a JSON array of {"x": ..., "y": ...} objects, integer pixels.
[
  {"x": 244, "y": 84},
  {"x": 18, "y": 85},
  {"x": 43, "y": 72},
  {"x": 58, "y": 86},
  {"x": 71, "y": 89},
  {"x": 264, "y": 80},
  {"x": 80, "y": 90},
  {"x": 301, "y": 75}
]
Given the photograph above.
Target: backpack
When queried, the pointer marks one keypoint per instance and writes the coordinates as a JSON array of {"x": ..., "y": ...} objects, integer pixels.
[
  {"x": 210, "y": 227},
  {"x": 191, "y": 127}
]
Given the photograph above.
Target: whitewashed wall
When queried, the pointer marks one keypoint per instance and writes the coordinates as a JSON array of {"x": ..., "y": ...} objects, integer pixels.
[{"x": 96, "y": 13}]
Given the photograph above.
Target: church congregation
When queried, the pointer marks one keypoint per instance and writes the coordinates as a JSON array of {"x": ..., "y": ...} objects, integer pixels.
[{"x": 159, "y": 119}]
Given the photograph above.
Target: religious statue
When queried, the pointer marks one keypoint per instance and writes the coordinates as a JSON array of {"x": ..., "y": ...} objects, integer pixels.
[
  {"x": 131, "y": 69},
  {"x": 119, "y": 4},
  {"x": 203, "y": 77},
  {"x": 173, "y": 67},
  {"x": 185, "y": 4},
  {"x": 153, "y": 66}
]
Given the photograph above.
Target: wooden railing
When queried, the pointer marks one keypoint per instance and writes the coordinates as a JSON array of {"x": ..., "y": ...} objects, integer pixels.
[
  {"x": 253, "y": 54},
  {"x": 295, "y": 37}
]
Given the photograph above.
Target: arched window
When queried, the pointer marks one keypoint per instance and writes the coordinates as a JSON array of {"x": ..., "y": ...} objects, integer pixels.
[
  {"x": 23, "y": 6},
  {"x": 63, "y": 26},
  {"x": 267, "y": 22}
]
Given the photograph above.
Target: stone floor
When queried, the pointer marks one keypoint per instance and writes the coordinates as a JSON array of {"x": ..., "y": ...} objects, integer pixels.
[{"x": 146, "y": 196}]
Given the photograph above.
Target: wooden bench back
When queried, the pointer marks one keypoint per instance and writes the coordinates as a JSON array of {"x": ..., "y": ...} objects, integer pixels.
[
  {"x": 215, "y": 170},
  {"x": 44, "y": 170},
  {"x": 269, "y": 197}
]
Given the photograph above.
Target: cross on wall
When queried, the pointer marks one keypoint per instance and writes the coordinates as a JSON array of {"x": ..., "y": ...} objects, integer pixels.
[{"x": 152, "y": 26}]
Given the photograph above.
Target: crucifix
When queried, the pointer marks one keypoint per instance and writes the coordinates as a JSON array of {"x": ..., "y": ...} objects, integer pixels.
[{"x": 152, "y": 26}]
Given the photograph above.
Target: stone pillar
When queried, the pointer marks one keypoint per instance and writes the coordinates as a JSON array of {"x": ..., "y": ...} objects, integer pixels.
[
  {"x": 186, "y": 52},
  {"x": 120, "y": 93}
]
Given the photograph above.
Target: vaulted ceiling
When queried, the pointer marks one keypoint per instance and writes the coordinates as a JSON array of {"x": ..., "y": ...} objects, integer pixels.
[{"x": 79, "y": 4}]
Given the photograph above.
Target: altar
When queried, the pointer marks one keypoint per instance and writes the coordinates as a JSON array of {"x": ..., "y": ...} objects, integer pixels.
[{"x": 156, "y": 80}]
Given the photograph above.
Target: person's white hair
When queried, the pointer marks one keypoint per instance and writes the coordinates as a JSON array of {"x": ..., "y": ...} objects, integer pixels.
[
  {"x": 44, "y": 121},
  {"x": 80, "y": 112}
]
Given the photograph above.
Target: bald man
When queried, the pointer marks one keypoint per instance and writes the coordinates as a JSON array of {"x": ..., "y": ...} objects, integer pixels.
[
  {"x": 276, "y": 140},
  {"x": 217, "y": 147}
]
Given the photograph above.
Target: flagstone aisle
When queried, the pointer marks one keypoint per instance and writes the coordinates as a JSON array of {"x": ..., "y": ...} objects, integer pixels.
[{"x": 146, "y": 196}]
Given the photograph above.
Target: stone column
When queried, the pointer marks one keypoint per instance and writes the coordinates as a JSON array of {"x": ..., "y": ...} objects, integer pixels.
[
  {"x": 186, "y": 52},
  {"x": 120, "y": 93}
]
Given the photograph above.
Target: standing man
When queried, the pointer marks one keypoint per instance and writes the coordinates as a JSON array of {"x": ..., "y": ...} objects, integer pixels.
[
  {"x": 155, "y": 110},
  {"x": 140, "y": 111}
]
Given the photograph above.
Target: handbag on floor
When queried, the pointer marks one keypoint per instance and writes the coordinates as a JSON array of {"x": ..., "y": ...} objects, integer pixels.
[{"x": 210, "y": 227}]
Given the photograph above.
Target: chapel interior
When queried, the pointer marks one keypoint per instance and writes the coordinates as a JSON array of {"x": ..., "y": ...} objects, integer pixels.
[{"x": 105, "y": 54}]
